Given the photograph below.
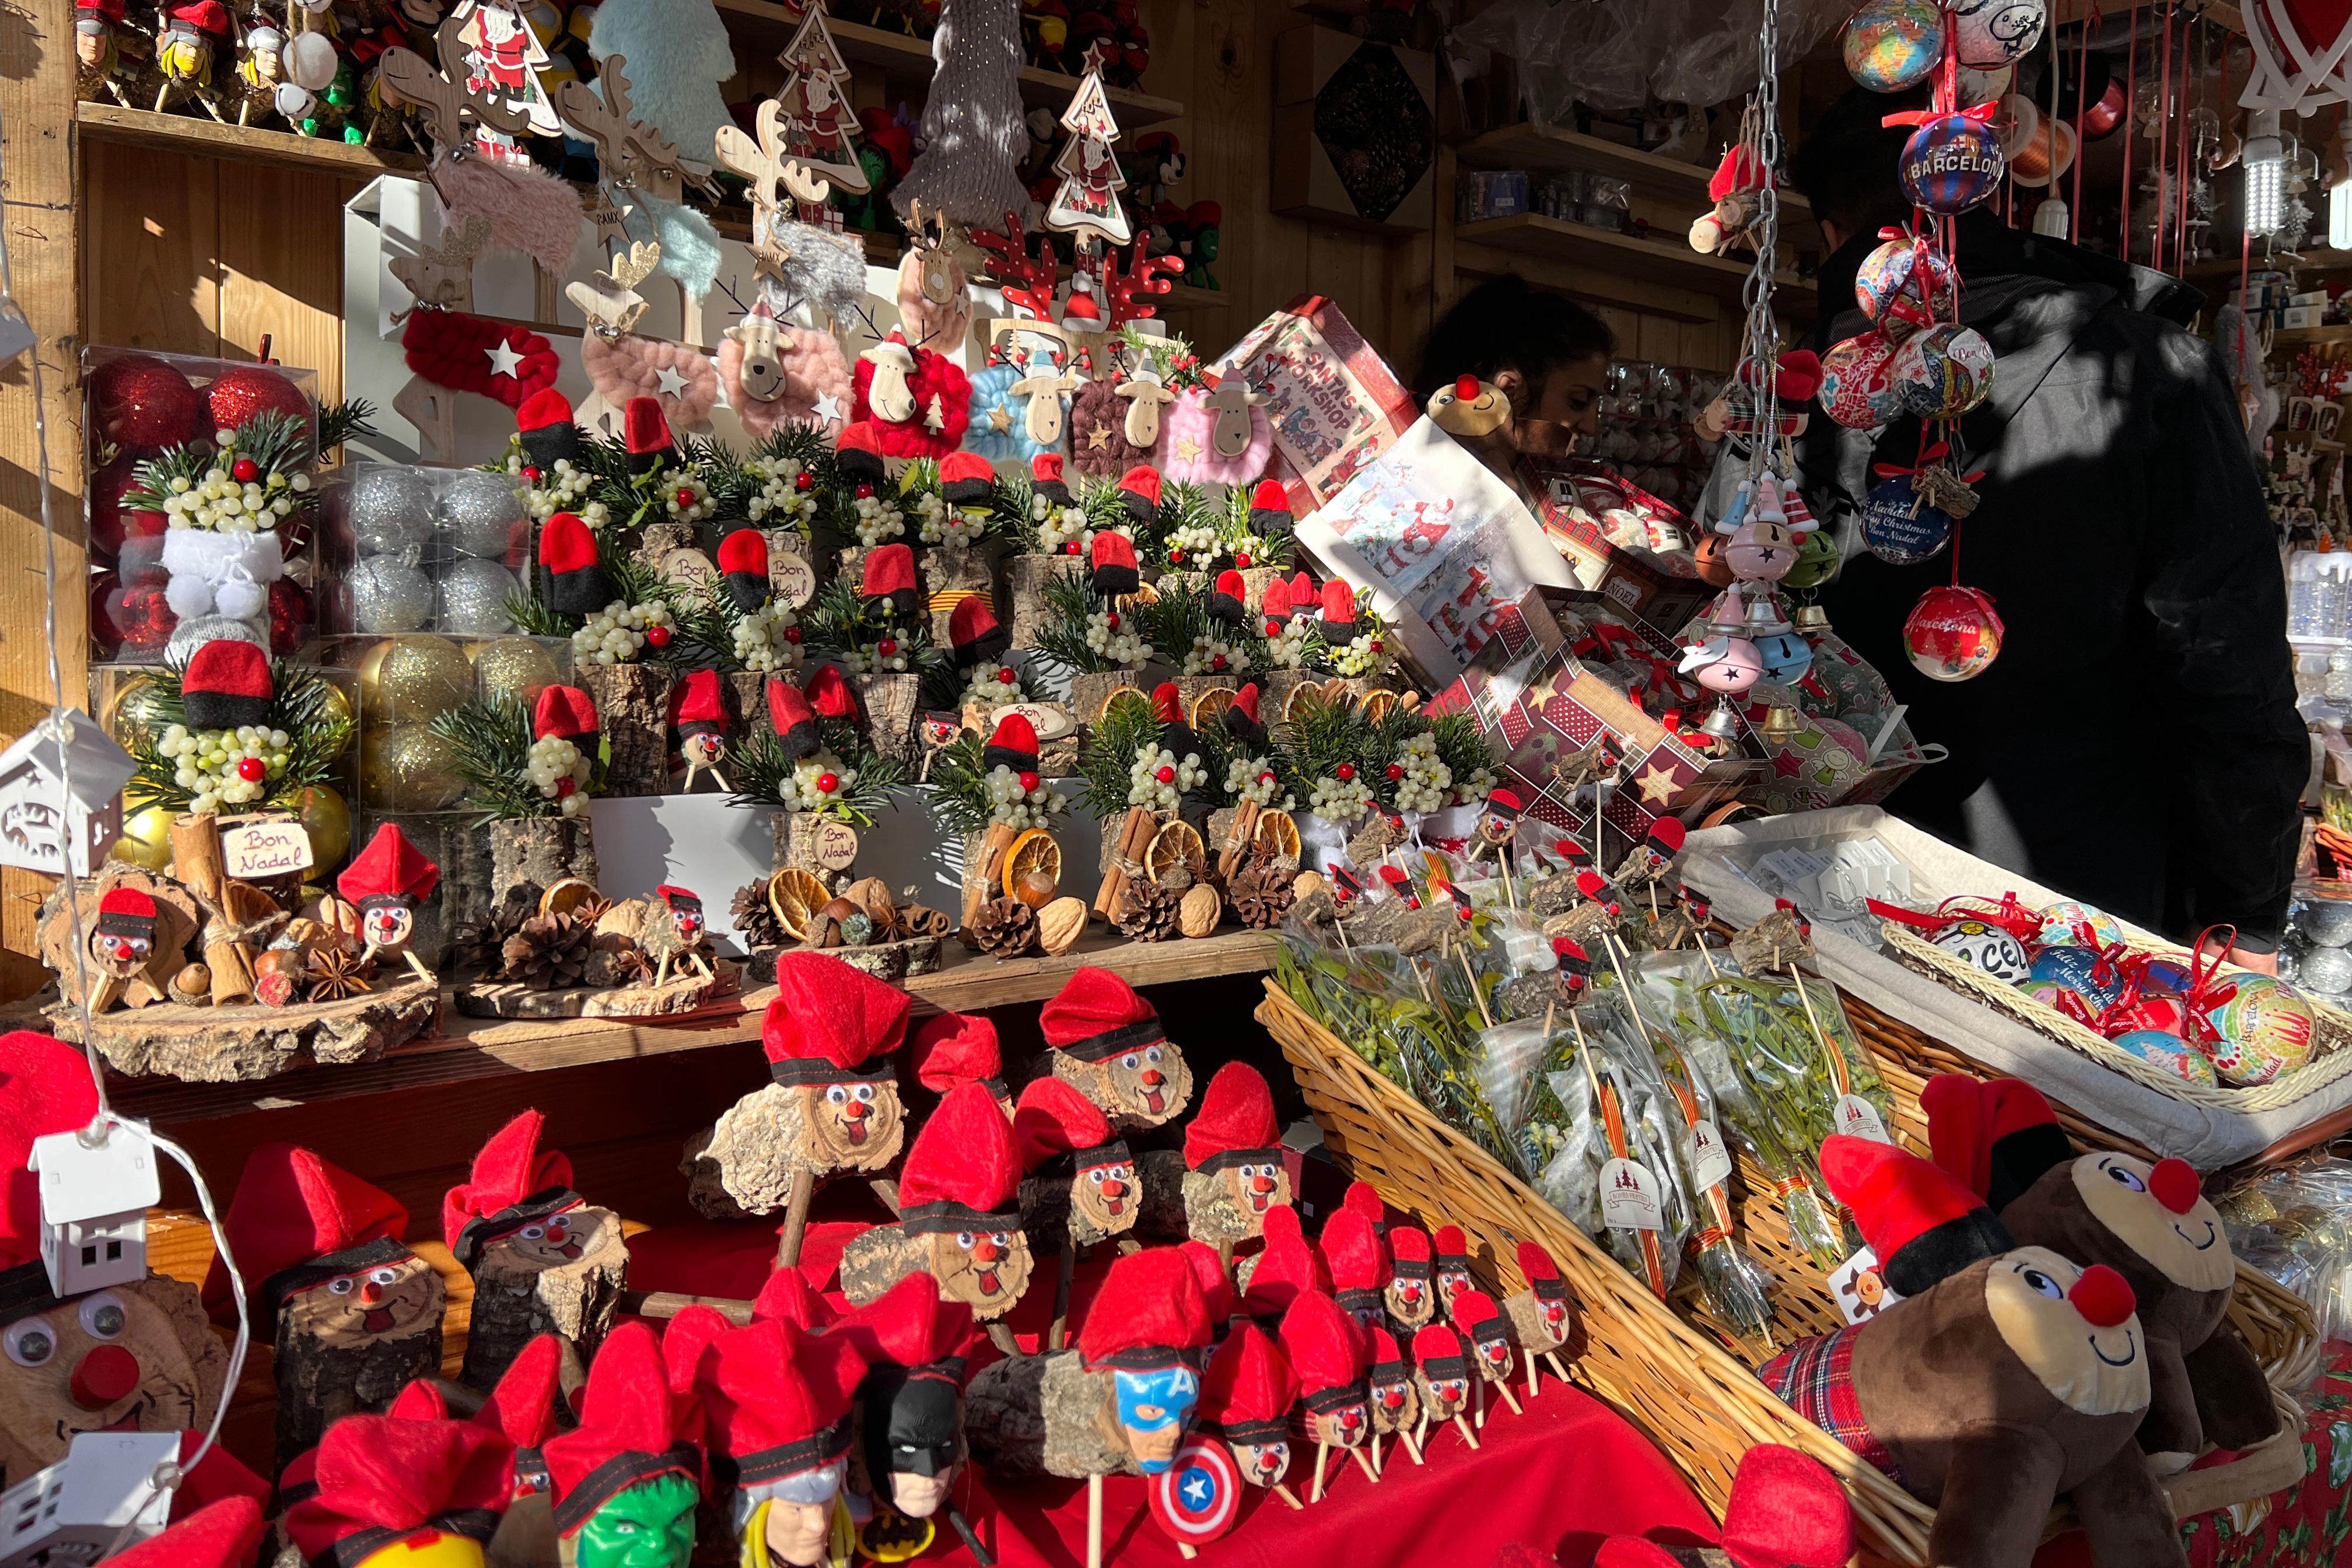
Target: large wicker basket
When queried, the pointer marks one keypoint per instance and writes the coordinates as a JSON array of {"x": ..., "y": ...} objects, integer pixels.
[{"x": 1681, "y": 1384}]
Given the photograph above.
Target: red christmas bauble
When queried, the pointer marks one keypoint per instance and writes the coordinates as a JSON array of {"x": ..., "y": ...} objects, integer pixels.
[
  {"x": 1378, "y": 645},
  {"x": 1175, "y": 558},
  {"x": 1346, "y": 771},
  {"x": 1070, "y": 547},
  {"x": 252, "y": 389},
  {"x": 1953, "y": 634},
  {"x": 1274, "y": 628},
  {"x": 141, "y": 401},
  {"x": 1265, "y": 778},
  {"x": 1028, "y": 782},
  {"x": 1006, "y": 677},
  {"x": 129, "y": 617},
  {"x": 657, "y": 636},
  {"x": 888, "y": 648},
  {"x": 1166, "y": 775},
  {"x": 793, "y": 636},
  {"x": 1396, "y": 770},
  {"x": 807, "y": 481},
  {"x": 564, "y": 786},
  {"x": 244, "y": 470},
  {"x": 828, "y": 783},
  {"x": 291, "y": 616},
  {"x": 252, "y": 770},
  {"x": 1218, "y": 662},
  {"x": 111, "y": 523}
]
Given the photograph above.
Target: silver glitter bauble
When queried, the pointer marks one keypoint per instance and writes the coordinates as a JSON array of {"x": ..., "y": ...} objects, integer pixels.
[
  {"x": 481, "y": 514},
  {"x": 197, "y": 630},
  {"x": 391, "y": 509},
  {"x": 474, "y": 594},
  {"x": 2327, "y": 921},
  {"x": 389, "y": 596},
  {"x": 2327, "y": 970}
]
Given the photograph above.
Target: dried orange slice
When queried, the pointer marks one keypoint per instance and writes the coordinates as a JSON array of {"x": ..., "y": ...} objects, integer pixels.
[
  {"x": 795, "y": 895},
  {"x": 1278, "y": 829},
  {"x": 1176, "y": 844},
  {"x": 1121, "y": 694},
  {"x": 1209, "y": 707},
  {"x": 1305, "y": 691},
  {"x": 566, "y": 895},
  {"x": 1377, "y": 705},
  {"x": 1033, "y": 853},
  {"x": 1145, "y": 593}
]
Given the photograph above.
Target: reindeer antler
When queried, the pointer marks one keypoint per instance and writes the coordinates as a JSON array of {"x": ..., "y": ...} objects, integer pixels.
[
  {"x": 442, "y": 98},
  {"x": 612, "y": 303},
  {"x": 627, "y": 148},
  {"x": 1028, "y": 280},
  {"x": 1122, "y": 288}
]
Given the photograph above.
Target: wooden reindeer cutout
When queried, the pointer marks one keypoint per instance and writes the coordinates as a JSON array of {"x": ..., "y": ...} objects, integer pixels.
[
  {"x": 1046, "y": 415},
  {"x": 762, "y": 367},
  {"x": 1146, "y": 395},
  {"x": 442, "y": 279},
  {"x": 631, "y": 153},
  {"x": 892, "y": 395},
  {"x": 942, "y": 282},
  {"x": 611, "y": 301},
  {"x": 1232, "y": 402},
  {"x": 772, "y": 175},
  {"x": 450, "y": 111}
]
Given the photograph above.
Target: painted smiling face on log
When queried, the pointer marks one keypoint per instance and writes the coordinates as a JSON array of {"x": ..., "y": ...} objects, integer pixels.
[
  {"x": 105, "y": 1361},
  {"x": 552, "y": 1240},
  {"x": 986, "y": 1268},
  {"x": 373, "y": 1301}
]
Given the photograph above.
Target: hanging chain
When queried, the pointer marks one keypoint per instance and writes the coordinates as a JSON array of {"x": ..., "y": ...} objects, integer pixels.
[{"x": 1761, "y": 351}]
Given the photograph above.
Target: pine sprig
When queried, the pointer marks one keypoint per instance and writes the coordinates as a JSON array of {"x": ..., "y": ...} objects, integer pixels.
[
  {"x": 1069, "y": 601},
  {"x": 763, "y": 774},
  {"x": 315, "y": 716},
  {"x": 1317, "y": 736},
  {"x": 339, "y": 421},
  {"x": 1232, "y": 525},
  {"x": 1462, "y": 746},
  {"x": 1109, "y": 754},
  {"x": 837, "y": 624},
  {"x": 277, "y": 440},
  {"x": 957, "y": 786},
  {"x": 1179, "y": 616},
  {"x": 530, "y": 616},
  {"x": 490, "y": 745},
  {"x": 944, "y": 682}
]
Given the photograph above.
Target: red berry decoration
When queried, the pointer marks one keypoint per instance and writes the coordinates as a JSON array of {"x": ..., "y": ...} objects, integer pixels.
[
  {"x": 1243, "y": 561},
  {"x": 1166, "y": 775},
  {"x": 684, "y": 495},
  {"x": 1274, "y": 628},
  {"x": 1070, "y": 547},
  {"x": 888, "y": 648},
  {"x": 1346, "y": 771},
  {"x": 140, "y": 401},
  {"x": 864, "y": 491},
  {"x": 244, "y": 470},
  {"x": 530, "y": 472},
  {"x": 1006, "y": 677},
  {"x": 1218, "y": 662},
  {"x": 1265, "y": 778},
  {"x": 252, "y": 389},
  {"x": 564, "y": 786},
  {"x": 1377, "y": 645},
  {"x": 1175, "y": 558},
  {"x": 793, "y": 636},
  {"x": 1396, "y": 771},
  {"x": 1028, "y": 782},
  {"x": 807, "y": 481},
  {"x": 251, "y": 769},
  {"x": 1111, "y": 620},
  {"x": 828, "y": 783},
  {"x": 657, "y": 636}
]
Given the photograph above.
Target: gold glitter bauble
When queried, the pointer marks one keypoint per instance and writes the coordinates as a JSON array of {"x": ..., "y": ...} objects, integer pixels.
[
  {"x": 412, "y": 679},
  {"x": 132, "y": 715},
  {"x": 338, "y": 706},
  {"x": 328, "y": 820},
  {"x": 519, "y": 667},
  {"x": 409, "y": 768},
  {"x": 146, "y": 840}
]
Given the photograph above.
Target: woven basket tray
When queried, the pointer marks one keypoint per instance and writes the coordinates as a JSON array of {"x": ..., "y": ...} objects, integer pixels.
[{"x": 1682, "y": 1384}]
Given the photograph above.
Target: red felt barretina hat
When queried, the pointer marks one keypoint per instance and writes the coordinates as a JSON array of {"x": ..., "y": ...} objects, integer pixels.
[
  {"x": 1275, "y": 605},
  {"x": 1054, "y": 1118},
  {"x": 1786, "y": 1510},
  {"x": 1409, "y": 1251},
  {"x": 966, "y": 478},
  {"x": 828, "y": 692},
  {"x": 389, "y": 868},
  {"x": 1326, "y": 1348},
  {"x": 1286, "y": 1270},
  {"x": 1439, "y": 1351},
  {"x": 1176, "y": 736},
  {"x": 221, "y": 1534},
  {"x": 793, "y": 720},
  {"x": 1475, "y": 1314},
  {"x": 974, "y": 632},
  {"x": 789, "y": 1295},
  {"x": 1387, "y": 1358},
  {"x": 543, "y": 422},
  {"x": 1269, "y": 509},
  {"x": 45, "y": 1087},
  {"x": 1924, "y": 1226},
  {"x": 565, "y": 714},
  {"x": 1046, "y": 478},
  {"x": 1248, "y": 1389},
  {"x": 1236, "y": 1123},
  {"x": 1542, "y": 1274},
  {"x": 1217, "y": 1285},
  {"x": 1229, "y": 600},
  {"x": 1452, "y": 1252},
  {"x": 1339, "y": 611},
  {"x": 743, "y": 567},
  {"x": 963, "y": 1169},
  {"x": 686, "y": 1345},
  {"x": 295, "y": 1221},
  {"x": 779, "y": 1399},
  {"x": 830, "y": 1023},
  {"x": 522, "y": 1405},
  {"x": 1014, "y": 746},
  {"x": 1148, "y": 1316},
  {"x": 385, "y": 1480},
  {"x": 910, "y": 1325},
  {"x": 645, "y": 432},
  {"x": 857, "y": 452},
  {"x": 226, "y": 684},
  {"x": 628, "y": 1435},
  {"x": 1097, "y": 1015},
  {"x": 1362, "y": 1198},
  {"x": 571, "y": 579},
  {"x": 512, "y": 1182},
  {"x": 1241, "y": 719},
  {"x": 1666, "y": 837},
  {"x": 697, "y": 704},
  {"x": 1358, "y": 1260},
  {"x": 889, "y": 577},
  {"x": 1111, "y": 571},
  {"x": 1138, "y": 491},
  {"x": 956, "y": 1049}
]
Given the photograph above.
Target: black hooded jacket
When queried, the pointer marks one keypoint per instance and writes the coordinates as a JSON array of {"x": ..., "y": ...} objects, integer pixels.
[{"x": 2139, "y": 727}]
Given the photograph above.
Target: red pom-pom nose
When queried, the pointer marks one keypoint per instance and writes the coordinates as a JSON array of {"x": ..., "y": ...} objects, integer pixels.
[
  {"x": 2175, "y": 1185},
  {"x": 985, "y": 1251},
  {"x": 2102, "y": 1296},
  {"x": 1465, "y": 387},
  {"x": 106, "y": 1374}
]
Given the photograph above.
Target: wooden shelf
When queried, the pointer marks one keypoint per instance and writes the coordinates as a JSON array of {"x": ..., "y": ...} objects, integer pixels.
[
  {"x": 1545, "y": 149},
  {"x": 203, "y": 137},
  {"x": 900, "y": 56},
  {"x": 2291, "y": 337},
  {"x": 1643, "y": 265},
  {"x": 488, "y": 1047}
]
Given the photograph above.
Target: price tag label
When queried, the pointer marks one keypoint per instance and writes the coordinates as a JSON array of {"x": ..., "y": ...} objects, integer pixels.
[
  {"x": 834, "y": 845},
  {"x": 792, "y": 578},
  {"x": 1858, "y": 1289},
  {"x": 252, "y": 851},
  {"x": 1857, "y": 1117},
  {"x": 1629, "y": 1197},
  {"x": 1711, "y": 1162}
]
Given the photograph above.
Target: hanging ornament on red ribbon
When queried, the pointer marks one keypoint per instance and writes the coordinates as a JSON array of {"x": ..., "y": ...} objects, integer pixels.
[
  {"x": 1858, "y": 386},
  {"x": 1905, "y": 284},
  {"x": 1990, "y": 34},
  {"x": 1891, "y": 44},
  {"x": 1953, "y": 162},
  {"x": 1943, "y": 372},
  {"x": 1953, "y": 633}
]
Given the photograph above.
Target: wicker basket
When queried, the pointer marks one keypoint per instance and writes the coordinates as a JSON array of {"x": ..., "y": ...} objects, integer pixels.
[{"x": 1693, "y": 1396}]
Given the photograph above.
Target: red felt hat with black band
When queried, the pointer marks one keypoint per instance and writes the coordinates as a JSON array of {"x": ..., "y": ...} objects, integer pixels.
[
  {"x": 789, "y": 1295},
  {"x": 210, "y": 15},
  {"x": 1338, "y": 604},
  {"x": 956, "y": 1049},
  {"x": 966, "y": 480},
  {"x": 974, "y": 633},
  {"x": 1053, "y": 1119},
  {"x": 1450, "y": 1250},
  {"x": 1386, "y": 1359},
  {"x": 570, "y": 578},
  {"x": 1241, "y": 721},
  {"x": 1362, "y": 1198},
  {"x": 1046, "y": 478},
  {"x": 45, "y": 1087},
  {"x": 127, "y": 913},
  {"x": 889, "y": 581},
  {"x": 686, "y": 1343},
  {"x": 1229, "y": 599},
  {"x": 828, "y": 692},
  {"x": 543, "y": 424},
  {"x": 697, "y": 704},
  {"x": 1326, "y": 1348},
  {"x": 1176, "y": 737},
  {"x": 1216, "y": 1283},
  {"x": 1270, "y": 516},
  {"x": 297, "y": 1221},
  {"x": 1358, "y": 1263},
  {"x": 1475, "y": 1314},
  {"x": 910, "y": 1325},
  {"x": 644, "y": 430},
  {"x": 523, "y": 1405},
  {"x": 1573, "y": 961},
  {"x": 1147, "y": 1316},
  {"x": 224, "y": 1533},
  {"x": 1543, "y": 1276},
  {"x": 389, "y": 868},
  {"x": 830, "y": 1023},
  {"x": 627, "y": 1434},
  {"x": 1277, "y": 606},
  {"x": 226, "y": 684},
  {"x": 1505, "y": 804},
  {"x": 1786, "y": 1510},
  {"x": 1138, "y": 491},
  {"x": 963, "y": 1168},
  {"x": 1995, "y": 1139},
  {"x": 566, "y": 713},
  {"x": 1249, "y": 1388},
  {"x": 1111, "y": 570},
  {"x": 1236, "y": 1123},
  {"x": 857, "y": 453},
  {"x": 383, "y": 1480},
  {"x": 513, "y": 1182},
  {"x": 793, "y": 720},
  {"x": 1097, "y": 1015},
  {"x": 1665, "y": 838},
  {"x": 1924, "y": 1226},
  {"x": 1288, "y": 1268},
  {"x": 779, "y": 1399},
  {"x": 743, "y": 567},
  {"x": 1440, "y": 1350},
  {"x": 1012, "y": 746},
  {"x": 1410, "y": 1257}
]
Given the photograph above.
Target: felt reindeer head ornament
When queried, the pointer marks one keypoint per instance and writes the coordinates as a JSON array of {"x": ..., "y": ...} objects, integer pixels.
[
  {"x": 1326, "y": 1348},
  {"x": 780, "y": 1400},
  {"x": 2151, "y": 1224},
  {"x": 911, "y": 1401},
  {"x": 1147, "y": 398},
  {"x": 416, "y": 1490},
  {"x": 1451, "y": 1261},
  {"x": 623, "y": 1482},
  {"x": 517, "y": 1209},
  {"x": 387, "y": 882},
  {"x": 1106, "y": 1040},
  {"x": 1148, "y": 1328},
  {"x": 1246, "y": 1396},
  {"x": 1232, "y": 1152},
  {"x": 1359, "y": 1264},
  {"x": 958, "y": 1196},
  {"x": 1286, "y": 1268},
  {"x": 919, "y": 402},
  {"x": 1410, "y": 1297},
  {"x": 1066, "y": 1144},
  {"x": 956, "y": 1049},
  {"x": 2010, "y": 1377},
  {"x": 1786, "y": 1510},
  {"x": 829, "y": 1035}
]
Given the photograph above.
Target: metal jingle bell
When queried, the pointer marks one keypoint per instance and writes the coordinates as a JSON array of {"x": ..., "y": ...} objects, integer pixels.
[
  {"x": 1723, "y": 723},
  {"x": 1813, "y": 618},
  {"x": 1780, "y": 724}
]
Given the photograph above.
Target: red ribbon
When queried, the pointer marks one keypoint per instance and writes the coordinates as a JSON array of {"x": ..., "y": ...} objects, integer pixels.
[
  {"x": 1980, "y": 113},
  {"x": 1928, "y": 457},
  {"x": 2203, "y": 994}
]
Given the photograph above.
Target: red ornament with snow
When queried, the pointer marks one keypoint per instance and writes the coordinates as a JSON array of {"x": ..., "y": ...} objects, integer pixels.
[{"x": 1953, "y": 633}]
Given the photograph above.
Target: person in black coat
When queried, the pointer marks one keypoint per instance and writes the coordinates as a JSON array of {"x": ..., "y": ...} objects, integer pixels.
[{"x": 2136, "y": 744}]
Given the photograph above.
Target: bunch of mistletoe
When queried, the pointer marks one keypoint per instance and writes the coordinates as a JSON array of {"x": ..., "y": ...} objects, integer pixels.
[
  {"x": 513, "y": 774},
  {"x": 844, "y": 777},
  {"x": 1087, "y": 633},
  {"x": 269, "y": 762},
  {"x": 866, "y": 634},
  {"x": 1342, "y": 760}
]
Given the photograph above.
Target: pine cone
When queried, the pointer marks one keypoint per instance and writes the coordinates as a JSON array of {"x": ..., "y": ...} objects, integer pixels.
[
  {"x": 1147, "y": 911},
  {"x": 1004, "y": 928},
  {"x": 1261, "y": 890},
  {"x": 548, "y": 953},
  {"x": 755, "y": 922},
  {"x": 476, "y": 942}
]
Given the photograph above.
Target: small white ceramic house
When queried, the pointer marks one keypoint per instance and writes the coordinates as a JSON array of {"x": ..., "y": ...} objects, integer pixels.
[
  {"x": 42, "y": 825},
  {"x": 65, "y": 1515},
  {"x": 94, "y": 1203}
]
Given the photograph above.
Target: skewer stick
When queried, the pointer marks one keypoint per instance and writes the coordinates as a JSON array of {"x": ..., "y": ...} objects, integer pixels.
[
  {"x": 1535, "y": 1376},
  {"x": 999, "y": 1334},
  {"x": 1315, "y": 1493},
  {"x": 1504, "y": 1388},
  {"x": 1282, "y": 1489},
  {"x": 796, "y": 1210},
  {"x": 1559, "y": 1370},
  {"x": 1187, "y": 1552},
  {"x": 1376, "y": 1454},
  {"x": 1058, "y": 1337},
  {"x": 1478, "y": 1396},
  {"x": 1476, "y": 994},
  {"x": 1411, "y": 1441},
  {"x": 1469, "y": 1436},
  {"x": 1364, "y": 1463},
  {"x": 1094, "y": 1522}
]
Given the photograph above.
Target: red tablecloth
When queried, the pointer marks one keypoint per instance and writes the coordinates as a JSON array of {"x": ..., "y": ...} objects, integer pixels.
[{"x": 1565, "y": 1476}]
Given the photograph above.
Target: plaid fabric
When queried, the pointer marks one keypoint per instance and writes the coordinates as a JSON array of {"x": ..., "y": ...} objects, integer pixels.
[{"x": 1815, "y": 1378}]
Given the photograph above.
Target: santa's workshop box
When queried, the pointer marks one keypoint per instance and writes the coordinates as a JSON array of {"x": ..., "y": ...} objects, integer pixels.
[{"x": 1334, "y": 403}]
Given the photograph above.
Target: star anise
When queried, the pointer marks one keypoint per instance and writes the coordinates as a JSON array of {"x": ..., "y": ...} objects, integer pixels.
[{"x": 331, "y": 976}]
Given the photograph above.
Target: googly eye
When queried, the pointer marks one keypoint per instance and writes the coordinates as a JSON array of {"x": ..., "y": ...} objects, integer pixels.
[
  {"x": 836, "y": 1095},
  {"x": 342, "y": 1285},
  {"x": 103, "y": 1316},
  {"x": 2124, "y": 1178},
  {"x": 964, "y": 1240},
  {"x": 1130, "y": 1061},
  {"x": 384, "y": 1275},
  {"x": 1122, "y": 1171},
  {"x": 1001, "y": 1239},
  {"x": 2043, "y": 1283},
  {"x": 865, "y": 1093},
  {"x": 533, "y": 1232},
  {"x": 1151, "y": 1055},
  {"x": 1097, "y": 1175},
  {"x": 29, "y": 1342}
]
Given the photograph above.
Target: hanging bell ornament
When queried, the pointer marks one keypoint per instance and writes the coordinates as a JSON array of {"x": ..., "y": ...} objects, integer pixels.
[
  {"x": 1723, "y": 724},
  {"x": 1780, "y": 724},
  {"x": 1953, "y": 633},
  {"x": 1813, "y": 618},
  {"x": 1762, "y": 550},
  {"x": 1764, "y": 618},
  {"x": 1708, "y": 557}
]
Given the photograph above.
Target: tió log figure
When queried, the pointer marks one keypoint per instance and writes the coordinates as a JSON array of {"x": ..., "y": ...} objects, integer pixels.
[
  {"x": 959, "y": 1215},
  {"x": 1106, "y": 1040},
  {"x": 386, "y": 883},
  {"x": 1232, "y": 1152}
]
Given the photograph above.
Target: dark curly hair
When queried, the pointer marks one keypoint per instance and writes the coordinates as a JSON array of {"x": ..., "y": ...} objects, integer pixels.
[{"x": 1504, "y": 324}]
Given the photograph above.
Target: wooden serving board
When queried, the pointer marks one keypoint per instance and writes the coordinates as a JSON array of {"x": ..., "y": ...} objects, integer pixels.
[{"x": 235, "y": 1045}]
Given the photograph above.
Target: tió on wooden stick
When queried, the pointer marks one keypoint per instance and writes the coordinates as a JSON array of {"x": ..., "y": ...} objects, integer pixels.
[
  {"x": 1233, "y": 1150},
  {"x": 1359, "y": 1264},
  {"x": 1395, "y": 1406},
  {"x": 1543, "y": 1317},
  {"x": 959, "y": 1213},
  {"x": 1246, "y": 1398},
  {"x": 1323, "y": 1346},
  {"x": 1452, "y": 1263},
  {"x": 1442, "y": 1377},
  {"x": 1475, "y": 1314},
  {"x": 1081, "y": 1180},
  {"x": 387, "y": 882},
  {"x": 1411, "y": 1296},
  {"x": 1106, "y": 1041}
]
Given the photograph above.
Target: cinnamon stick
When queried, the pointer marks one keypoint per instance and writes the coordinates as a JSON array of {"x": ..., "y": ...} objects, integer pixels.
[
  {"x": 1135, "y": 832},
  {"x": 1238, "y": 838},
  {"x": 197, "y": 861},
  {"x": 982, "y": 886}
]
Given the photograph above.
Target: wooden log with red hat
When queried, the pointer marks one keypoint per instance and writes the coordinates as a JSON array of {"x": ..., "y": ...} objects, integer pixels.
[
  {"x": 545, "y": 850},
  {"x": 1475, "y": 1314},
  {"x": 1081, "y": 1185},
  {"x": 699, "y": 724},
  {"x": 1442, "y": 1381},
  {"x": 1245, "y": 1399},
  {"x": 1106, "y": 1040},
  {"x": 543, "y": 1259},
  {"x": 832, "y": 1103},
  {"x": 386, "y": 883},
  {"x": 1326, "y": 1351},
  {"x": 959, "y": 1213},
  {"x": 1393, "y": 1402},
  {"x": 357, "y": 1314},
  {"x": 1233, "y": 1154},
  {"x": 1543, "y": 1319}
]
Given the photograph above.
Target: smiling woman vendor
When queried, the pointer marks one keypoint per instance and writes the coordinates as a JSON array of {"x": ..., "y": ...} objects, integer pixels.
[{"x": 1546, "y": 353}]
